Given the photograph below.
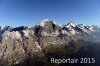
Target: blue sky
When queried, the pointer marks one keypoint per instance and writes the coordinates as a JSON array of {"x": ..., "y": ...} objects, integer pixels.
[{"x": 31, "y": 12}]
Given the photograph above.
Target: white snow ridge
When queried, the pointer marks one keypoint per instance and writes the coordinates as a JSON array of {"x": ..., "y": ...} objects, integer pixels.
[{"x": 43, "y": 22}]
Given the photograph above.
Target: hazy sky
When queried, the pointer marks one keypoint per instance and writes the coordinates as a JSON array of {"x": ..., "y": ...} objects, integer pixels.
[{"x": 31, "y": 12}]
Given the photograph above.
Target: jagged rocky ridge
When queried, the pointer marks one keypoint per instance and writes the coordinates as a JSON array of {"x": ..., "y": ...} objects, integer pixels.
[{"x": 22, "y": 45}]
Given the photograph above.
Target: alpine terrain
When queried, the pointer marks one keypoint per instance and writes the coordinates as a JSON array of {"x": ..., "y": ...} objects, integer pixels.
[{"x": 35, "y": 46}]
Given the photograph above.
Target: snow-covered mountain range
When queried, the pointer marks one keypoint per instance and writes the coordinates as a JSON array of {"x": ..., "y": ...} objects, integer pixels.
[
  {"x": 51, "y": 28},
  {"x": 21, "y": 43}
]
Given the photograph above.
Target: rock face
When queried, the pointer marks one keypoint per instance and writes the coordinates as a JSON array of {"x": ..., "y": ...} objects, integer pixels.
[{"x": 23, "y": 46}]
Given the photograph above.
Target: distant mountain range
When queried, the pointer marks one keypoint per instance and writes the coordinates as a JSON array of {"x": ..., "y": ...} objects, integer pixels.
[{"x": 22, "y": 45}]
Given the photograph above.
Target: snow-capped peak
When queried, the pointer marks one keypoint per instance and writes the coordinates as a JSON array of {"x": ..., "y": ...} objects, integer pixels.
[
  {"x": 71, "y": 24},
  {"x": 43, "y": 22},
  {"x": 85, "y": 28}
]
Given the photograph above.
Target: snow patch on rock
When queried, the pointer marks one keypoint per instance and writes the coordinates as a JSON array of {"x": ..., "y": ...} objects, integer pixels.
[
  {"x": 26, "y": 34},
  {"x": 56, "y": 33},
  {"x": 73, "y": 32},
  {"x": 14, "y": 35}
]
